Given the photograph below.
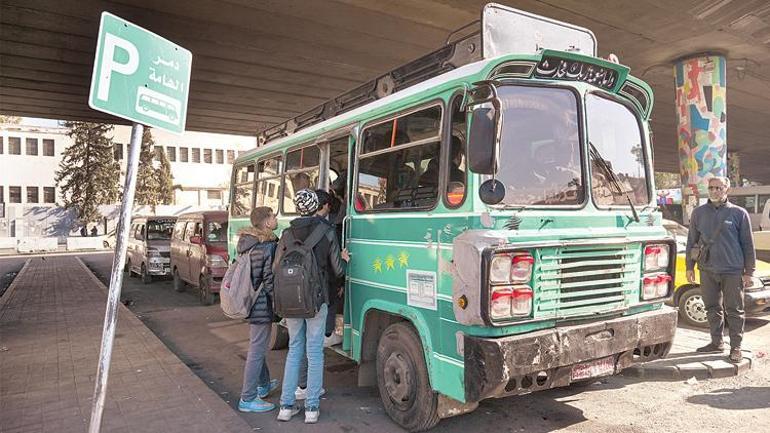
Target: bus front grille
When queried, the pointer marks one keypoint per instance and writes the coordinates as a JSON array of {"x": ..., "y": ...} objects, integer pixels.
[{"x": 583, "y": 280}]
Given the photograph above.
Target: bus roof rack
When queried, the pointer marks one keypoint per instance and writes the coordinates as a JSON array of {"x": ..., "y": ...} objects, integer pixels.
[{"x": 501, "y": 30}]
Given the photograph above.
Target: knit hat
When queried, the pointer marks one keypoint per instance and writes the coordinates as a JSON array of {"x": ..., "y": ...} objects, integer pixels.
[{"x": 306, "y": 202}]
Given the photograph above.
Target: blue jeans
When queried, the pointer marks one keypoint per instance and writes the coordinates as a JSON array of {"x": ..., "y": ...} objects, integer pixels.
[
  {"x": 305, "y": 335},
  {"x": 255, "y": 372}
]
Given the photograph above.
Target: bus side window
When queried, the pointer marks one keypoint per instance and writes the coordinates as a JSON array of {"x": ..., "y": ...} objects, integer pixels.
[
  {"x": 242, "y": 189},
  {"x": 268, "y": 182},
  {"x": 456, "y": 171},
  {"x": 302, "y": 171},
  {"x": 398, "y": 165}
]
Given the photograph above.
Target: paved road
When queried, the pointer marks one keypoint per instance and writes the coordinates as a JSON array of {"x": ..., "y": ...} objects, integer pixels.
[{"x": 214, "y": 348}]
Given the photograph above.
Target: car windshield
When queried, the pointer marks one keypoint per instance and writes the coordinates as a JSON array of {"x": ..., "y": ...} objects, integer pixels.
[
  {"x": 540, "y": 147},
  {"x": 159, "y": 229},
  {"x": 216, "y": 231}
]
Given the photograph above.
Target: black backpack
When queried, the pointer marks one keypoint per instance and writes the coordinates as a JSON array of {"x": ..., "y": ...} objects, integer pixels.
[{"x": 298, "y": 282}]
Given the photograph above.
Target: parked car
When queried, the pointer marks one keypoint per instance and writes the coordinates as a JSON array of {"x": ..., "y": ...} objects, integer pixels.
[
  {"x": 199, "y": 253},
  {"x": 149, "y": 243},
  {"x": 689, "y": 297}
]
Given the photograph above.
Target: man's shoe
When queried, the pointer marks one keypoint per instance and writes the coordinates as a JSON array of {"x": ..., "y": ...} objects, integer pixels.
[
  {"x": 311, "y": 415},
  {"x": 301, "y": 393},
  {"x": 711, "y": 348},
  {"x": 257, "y": 405},
  {"x": 735, "y": 354},
  {"x": 287, "y": 412},
  {"x": 264, "y": 391}
]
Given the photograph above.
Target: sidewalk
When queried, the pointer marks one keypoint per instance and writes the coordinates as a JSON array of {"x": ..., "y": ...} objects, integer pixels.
[
  {"x": 51, "y": 321},
  {"x": 683, "y": 362}
]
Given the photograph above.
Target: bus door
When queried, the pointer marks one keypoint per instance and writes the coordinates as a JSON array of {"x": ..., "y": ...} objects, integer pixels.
[{"x": 338, "y": 151}]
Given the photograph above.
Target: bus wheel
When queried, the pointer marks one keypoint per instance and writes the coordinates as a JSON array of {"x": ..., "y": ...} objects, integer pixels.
[
  {"x": 179, "y": 285},
  {"x": 206, "y": 296},
  {"x": 146, "y": 278},
  {"x": 402, "y": 378}
]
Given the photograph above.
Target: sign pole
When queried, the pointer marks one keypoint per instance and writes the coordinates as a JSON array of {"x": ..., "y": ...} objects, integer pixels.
[{"x": 116, "y": 280}]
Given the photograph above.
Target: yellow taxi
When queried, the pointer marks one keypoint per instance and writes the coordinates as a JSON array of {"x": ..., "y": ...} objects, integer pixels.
[{"x": 689, "y": 298}]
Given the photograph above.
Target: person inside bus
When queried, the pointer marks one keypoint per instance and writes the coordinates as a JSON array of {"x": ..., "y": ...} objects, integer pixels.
[{"x": 457, "y": 153}]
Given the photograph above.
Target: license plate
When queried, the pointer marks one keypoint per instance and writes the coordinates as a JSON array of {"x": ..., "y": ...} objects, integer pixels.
[{"x": 595, "y": 368}]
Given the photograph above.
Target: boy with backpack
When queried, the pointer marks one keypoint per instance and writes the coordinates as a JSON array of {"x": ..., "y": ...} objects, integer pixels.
[
  {"x": 307, "y": 255},
  {"x": 259, "y": 242}
]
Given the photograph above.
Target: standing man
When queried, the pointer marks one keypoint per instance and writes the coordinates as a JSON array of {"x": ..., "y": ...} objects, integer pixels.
[{"x": 720, "y": 241}]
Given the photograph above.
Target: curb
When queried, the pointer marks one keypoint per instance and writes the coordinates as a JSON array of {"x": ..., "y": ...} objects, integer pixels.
[
  {"x": 9, "y": 291},
  {"x": 708, "y": 368}
]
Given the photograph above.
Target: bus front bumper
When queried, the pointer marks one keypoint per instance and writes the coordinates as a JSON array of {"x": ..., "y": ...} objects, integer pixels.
[{"x": 497, "y": 367}]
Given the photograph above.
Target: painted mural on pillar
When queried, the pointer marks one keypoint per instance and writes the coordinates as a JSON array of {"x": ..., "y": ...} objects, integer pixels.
[{"x": 702, "y": 121}]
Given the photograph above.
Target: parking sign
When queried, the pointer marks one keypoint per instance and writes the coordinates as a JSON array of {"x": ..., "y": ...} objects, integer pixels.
[{"x": 140, "y": 76}]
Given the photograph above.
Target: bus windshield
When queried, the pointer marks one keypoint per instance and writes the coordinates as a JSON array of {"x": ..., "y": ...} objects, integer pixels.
[
  {"x": 616, "y": 136},
  {"x": 540, "y": 147}
]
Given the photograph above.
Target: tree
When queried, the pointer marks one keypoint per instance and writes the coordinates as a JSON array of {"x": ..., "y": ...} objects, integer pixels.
[
  {"x": 665, "y": 180},
  {"x": 147, "y": 182},
  {"x": 12, "y": 120},
  {"x": 165, "y": 180},
  {"x": 88, "y": 173}
]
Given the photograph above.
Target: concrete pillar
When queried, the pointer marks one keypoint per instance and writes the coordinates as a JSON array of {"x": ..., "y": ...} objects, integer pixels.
[
  {"x": 701, "y": 111},
  {"x": 734, "y": 168}
]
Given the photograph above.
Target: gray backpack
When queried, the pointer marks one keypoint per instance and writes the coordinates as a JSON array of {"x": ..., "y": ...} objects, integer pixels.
[{"x": 236, "y": 295}]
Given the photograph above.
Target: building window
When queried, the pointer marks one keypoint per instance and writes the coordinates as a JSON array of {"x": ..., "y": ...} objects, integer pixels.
[
  {"x": 49, "y": 194},
  {"x": 117, "y": 151},
  {"x": 230, "y": 156},
  {"x": 1, "y": 147},
  {"x": 207, "y": 156},
  {"x": 214, "y": 194},
  {"x": 196, "y": 155},
  {"x": 14, "y": 194},
  {"x": 33, "y": 194},
  {"x": 31, "y": 146},
  {"x": 48, "y": 147},
  {"x": 14, "y": 146},
  {"x": 2, "y": 194},
  {"x": 242, "y": 190},
  {"x": 220, "y": 156},
  {"x": 158, "y": 150},
  {"x": 171, "y": 153},
  {"x": 183, "y": 154}
]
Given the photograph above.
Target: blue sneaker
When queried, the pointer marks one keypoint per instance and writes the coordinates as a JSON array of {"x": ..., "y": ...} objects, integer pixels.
[
  {"x": 257, "y": 405},
  {"x": 264, "y": 391}
]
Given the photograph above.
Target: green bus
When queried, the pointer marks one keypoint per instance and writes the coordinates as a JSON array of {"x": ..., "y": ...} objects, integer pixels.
[{"x": 499, "y": 211}]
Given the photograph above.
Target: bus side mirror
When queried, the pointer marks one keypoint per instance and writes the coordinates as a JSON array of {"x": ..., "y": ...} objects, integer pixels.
[{"x": 482, "y": 152}]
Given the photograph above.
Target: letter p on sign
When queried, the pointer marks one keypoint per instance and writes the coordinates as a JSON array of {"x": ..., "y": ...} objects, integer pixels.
[
  {"x": 110, "y": 64},
  {"x": 140, "y": 76}
]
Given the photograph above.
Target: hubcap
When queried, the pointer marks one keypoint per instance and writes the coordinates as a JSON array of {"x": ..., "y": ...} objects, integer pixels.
[
  {"x": 695, "y": 309},
  {"x": 398, "y": 379}
]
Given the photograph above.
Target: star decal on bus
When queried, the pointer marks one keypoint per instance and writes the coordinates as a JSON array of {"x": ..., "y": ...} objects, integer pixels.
[
  {"x": 390, "y": 262},
  {"x": 403, "y": 259},
  {"x": 377, "y": 265}
]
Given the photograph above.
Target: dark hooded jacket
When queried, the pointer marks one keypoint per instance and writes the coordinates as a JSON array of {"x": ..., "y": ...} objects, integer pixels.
[
  {"x": 326, "y": 251},
  {"x": 261, "y": 246}
]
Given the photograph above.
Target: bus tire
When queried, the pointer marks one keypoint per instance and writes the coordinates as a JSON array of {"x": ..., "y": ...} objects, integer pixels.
[{"x": 402, "y": 378}]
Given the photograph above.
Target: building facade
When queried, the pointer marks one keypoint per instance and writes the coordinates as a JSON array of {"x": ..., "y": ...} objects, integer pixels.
[{"x": 201, "y": 164}]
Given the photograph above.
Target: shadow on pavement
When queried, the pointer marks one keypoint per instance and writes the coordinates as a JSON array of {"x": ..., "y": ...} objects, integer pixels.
[{"x": 752, "y": 397}]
